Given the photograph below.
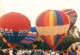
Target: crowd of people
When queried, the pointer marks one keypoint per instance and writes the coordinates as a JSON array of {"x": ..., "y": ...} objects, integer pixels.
[{"x": 35, "y": 52}]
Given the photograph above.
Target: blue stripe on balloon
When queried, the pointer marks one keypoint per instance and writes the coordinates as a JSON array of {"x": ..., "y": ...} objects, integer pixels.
[
  {"x": 33, "y": 29},
  {"x": 67, "y": 10},
  {"x": 29, "y": 40},
  {"x": 71, "y": 12},
  {"x": 57, "y": 39},
  {"x": 27, "y": 37},
  {"x": 76, "y": 47},
  {"x": 59, "y": 22},
  {"x": 75, "y": 42},
  {"x": 59, "y": 18},
  {"x": 30, "y": 37},
  {"x": 71, "y": 47}
]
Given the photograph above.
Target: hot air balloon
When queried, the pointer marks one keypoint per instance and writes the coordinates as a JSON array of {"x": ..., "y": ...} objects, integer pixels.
[
  {"x": 75, "y": 46},
  {"x": 30, "y": 37},
  {"x": 14, "y": 27},
  {"x": 52, "y": 26},
  {"x": 38, "y": 38},
  {"x": 72, "y": 16}
]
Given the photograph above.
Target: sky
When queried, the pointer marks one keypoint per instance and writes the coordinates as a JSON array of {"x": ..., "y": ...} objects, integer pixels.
[{"x": 32, "y": 8}]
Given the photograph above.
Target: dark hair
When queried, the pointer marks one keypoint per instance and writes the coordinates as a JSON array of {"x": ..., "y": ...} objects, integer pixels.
[
  {"x": 73, "y": 50},
  {"x": 65, "y": 51}
]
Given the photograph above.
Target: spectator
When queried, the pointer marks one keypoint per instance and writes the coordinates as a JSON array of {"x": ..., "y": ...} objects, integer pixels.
[
  {"x": 48, "y": 52},
  {"x": 52, "y": 52},
  {"x": 32, "y": 53},
  {"x": 65, "y": 53},
  {"x": 17, "y": 52},
  {"x": 42, "y": 53},
  {"x": 35, "y": 52},
  {"x": 45, "y": 53},
  {"x": 73, "y": 53},
  {"x": 11, "y": 52},
  {"x": 7, "y": 52},
  {"x": 20, "y": 51},
  {"x": 14, "y": 51},
  {"x": 61, "y": 53}
]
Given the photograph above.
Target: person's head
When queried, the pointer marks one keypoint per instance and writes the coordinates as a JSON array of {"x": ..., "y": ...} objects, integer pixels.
[
  {"x": 73, "y": 51},
  {"x": 10, "y": 48},
  {"x": 17, "y": 50}
]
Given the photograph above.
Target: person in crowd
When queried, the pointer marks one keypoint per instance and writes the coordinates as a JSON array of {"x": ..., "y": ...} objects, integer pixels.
[
  {"x": 32, "y": 53},
  {"x": 23, "y": 51},
  {"x": 57, "y": 53},
  {"x": 48, "y": 52},
  {"x": 61, "y": 53},
  {"x": 29, "y": 52},
  {"x": 69, "y": 52},
  {"x": 20, "y": 51},
  {"x": 2, "y": 52},
  {"x": 39, "y": 52},
  {"x": 52, "y": 52},
  {"x": 35, "y": 52},
  {"x": 73, "y": 53},
  {"x": 7, "y": 52},
  {"x": 14, "y": 51},
  {"x": 17, "y": 52},
  {"x": 65, "y": 53},
  {"x": 45, "y": 52},
  {"x": 42, "y": 52},
  {"x": 11, "y": 51}
]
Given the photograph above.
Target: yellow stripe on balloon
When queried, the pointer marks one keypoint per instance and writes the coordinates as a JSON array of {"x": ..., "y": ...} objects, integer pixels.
[
  {"x": 55, "y": 18},
  {"x": 5, "y": 41},
  {"x": 77, "y": 43},
  {"x": 51, "y": 23},
  {"x": 73, "y": 47},
  {"x": 55, "y": 24},
  {"x": 0, "y": 35},
  {"x": 69, "y": 48},
  {"x": 78, "y": 47},
  {"x": 9, "y": 45}
]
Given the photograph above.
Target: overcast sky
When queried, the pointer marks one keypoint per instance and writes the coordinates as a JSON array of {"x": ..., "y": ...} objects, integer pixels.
[{"x": 32, "y": 8}]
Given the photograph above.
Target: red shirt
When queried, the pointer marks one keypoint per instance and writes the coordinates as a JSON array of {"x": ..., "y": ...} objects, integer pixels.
[{"x": 65, "y": 53}]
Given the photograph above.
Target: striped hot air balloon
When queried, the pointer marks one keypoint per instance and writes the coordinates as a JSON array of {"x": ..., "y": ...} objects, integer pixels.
[
  {"x": 14, "y": 27},
  {"x": 52, "y": 26},
  {"x": 75, "y": 46},
  {"x": 30, "y": 37},
  {"x": 72, "y": 16}
]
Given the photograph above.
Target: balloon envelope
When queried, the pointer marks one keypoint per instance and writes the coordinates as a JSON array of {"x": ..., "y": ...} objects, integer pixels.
[
  {"x": 52, "y": 26},
  {"x": 14, "y": 27},
  {"x": 75, "y": 46},
  {"x": 30, "y": 37},
  {"x": 72, "y": 16}
]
